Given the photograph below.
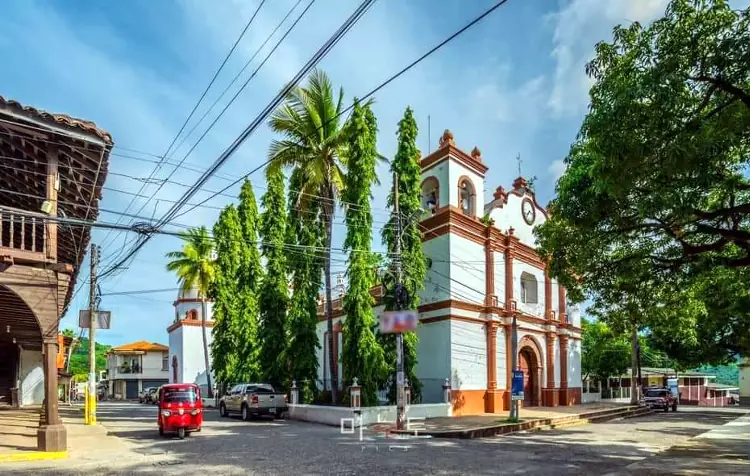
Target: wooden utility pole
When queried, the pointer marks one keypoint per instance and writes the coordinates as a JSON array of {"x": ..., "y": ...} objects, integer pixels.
[{"x": 91, "y": 400}]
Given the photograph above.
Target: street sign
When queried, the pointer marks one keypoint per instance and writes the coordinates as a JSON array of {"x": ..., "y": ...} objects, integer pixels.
[
  {"x": 103, "y": 319},
  {"x": 516, "y": 392},
  {"x": 398, "y": 321}
]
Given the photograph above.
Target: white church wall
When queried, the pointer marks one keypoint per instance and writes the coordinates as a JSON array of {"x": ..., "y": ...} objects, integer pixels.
[
  {"x": 467, "y": 270},
  {"x": 193, "y": 366},
  {"x": 574, "y": 314},
  {"x": 534, "y": 309},
  {"x": 500, "y": 359},
  {"x": 499, "y": 271},
  {"x": 468, "y": 356},
  {"x": 433, "y": 362},
  {"x": 574, "y": 363},
  {"x": 555, "y": 298},
  {"x": 175, "y": 350},
  {"x": 31, "y": 377},
  {"x": 437, "y": 276}
]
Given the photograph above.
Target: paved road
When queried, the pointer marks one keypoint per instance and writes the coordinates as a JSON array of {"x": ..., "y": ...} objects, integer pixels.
[{"x": 232, "y": 446}]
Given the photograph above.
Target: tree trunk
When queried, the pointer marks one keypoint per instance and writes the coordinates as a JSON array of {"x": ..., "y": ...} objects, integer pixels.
[
  {"x": 210, "y": 391},
  {"x": 633, "y": 366},
  {"x": 332, "y": 359}
]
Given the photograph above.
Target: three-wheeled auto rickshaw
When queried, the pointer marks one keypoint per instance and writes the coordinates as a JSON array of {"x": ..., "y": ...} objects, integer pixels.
[{"x": 180, "y": 409}]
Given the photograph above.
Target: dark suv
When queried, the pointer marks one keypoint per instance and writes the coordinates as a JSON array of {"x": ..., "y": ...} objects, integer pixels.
[{"x": 660, "y": 397}]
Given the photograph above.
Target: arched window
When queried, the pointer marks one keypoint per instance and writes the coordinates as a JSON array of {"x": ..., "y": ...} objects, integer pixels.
[
  {"x": 466, "y": 196},
  {"x": 529, "y": 288},
  {"x": 430, "y": 195}
]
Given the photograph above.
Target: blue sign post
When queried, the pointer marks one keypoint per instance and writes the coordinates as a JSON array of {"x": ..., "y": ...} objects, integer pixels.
[{"x": 516, "y": 392}]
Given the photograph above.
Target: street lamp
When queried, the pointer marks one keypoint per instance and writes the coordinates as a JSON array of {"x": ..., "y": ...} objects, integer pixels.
[{"x": 514, "y": 360}]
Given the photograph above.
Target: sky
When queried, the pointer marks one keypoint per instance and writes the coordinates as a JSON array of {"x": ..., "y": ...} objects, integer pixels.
[{"x": 513, "y": 85}]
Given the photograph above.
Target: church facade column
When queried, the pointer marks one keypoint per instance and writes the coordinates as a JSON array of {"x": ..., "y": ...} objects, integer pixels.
[
  {"x": 550, "y": 395},
  {"x": 563, "y": 391}
]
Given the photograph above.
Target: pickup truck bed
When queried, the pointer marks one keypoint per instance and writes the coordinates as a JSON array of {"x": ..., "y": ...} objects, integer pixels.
[{"x": 250, "y": 400}]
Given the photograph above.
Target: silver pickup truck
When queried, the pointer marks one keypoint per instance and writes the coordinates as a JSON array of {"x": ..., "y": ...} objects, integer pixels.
[{"x": 253, "y": 399}]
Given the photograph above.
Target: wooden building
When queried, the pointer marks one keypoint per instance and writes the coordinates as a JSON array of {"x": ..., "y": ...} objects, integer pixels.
[{"x": 53, "y": 167}]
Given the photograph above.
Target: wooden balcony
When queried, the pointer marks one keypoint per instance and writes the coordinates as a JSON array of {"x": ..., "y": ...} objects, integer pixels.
[{"x": 23, "y": 236}]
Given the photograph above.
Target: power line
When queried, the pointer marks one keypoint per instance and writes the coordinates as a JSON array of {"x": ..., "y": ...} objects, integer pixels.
[
  {"x": 187, "y": 120},
  {"x": 372, "y": 92},
  {"x": 361, "y": 10}
]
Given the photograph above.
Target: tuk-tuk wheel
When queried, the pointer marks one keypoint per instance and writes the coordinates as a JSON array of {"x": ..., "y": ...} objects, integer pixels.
[
  {"x": 181, "y": 433},
  {"x": 161, "y": 431}
]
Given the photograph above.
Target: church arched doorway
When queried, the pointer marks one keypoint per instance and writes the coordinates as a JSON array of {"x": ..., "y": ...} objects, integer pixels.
[{"x": 529, "y": 362}]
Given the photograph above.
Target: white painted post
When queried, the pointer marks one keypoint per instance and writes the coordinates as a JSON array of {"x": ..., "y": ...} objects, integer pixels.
[
  {"x": 295, "y": 393},
  {"x": 446, "y": 391},
  {"x": 407, "y": 393}
]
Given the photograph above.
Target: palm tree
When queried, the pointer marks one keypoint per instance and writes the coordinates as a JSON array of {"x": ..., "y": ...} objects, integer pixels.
[
  {"x": 195, "y": 269},
  {"x": 314, "y": 144}
]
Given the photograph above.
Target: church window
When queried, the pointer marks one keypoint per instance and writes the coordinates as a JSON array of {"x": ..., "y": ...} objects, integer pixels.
[
  {"x": 529, "y": 288},
  {"x": 466, "y": 197},
  {"x": 430, "y": 195}
]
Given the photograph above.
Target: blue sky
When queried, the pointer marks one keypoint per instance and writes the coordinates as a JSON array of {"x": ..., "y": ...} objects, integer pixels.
[{"x": 514, "y": 84}]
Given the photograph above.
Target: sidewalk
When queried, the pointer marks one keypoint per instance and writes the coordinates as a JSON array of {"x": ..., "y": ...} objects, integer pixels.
[
  {"x": 18, "y": 429},
  {"x": 723, "y": 450},
  {"x": 490, "y": 424}
]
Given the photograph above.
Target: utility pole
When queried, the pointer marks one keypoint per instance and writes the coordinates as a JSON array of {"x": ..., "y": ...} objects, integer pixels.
[
  {"x": 92, "y": 342},
  {"x": 399, "y": 295}
]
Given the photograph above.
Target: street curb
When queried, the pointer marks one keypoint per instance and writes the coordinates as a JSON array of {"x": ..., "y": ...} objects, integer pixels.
[
  {"x": 531, "y": 425},
  {"x": 33, "y": 456}
]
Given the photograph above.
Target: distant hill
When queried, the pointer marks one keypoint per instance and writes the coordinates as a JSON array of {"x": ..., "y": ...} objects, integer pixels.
[
  {"x": 79, "y": 361},
  {"x": 725, "y": 374}
]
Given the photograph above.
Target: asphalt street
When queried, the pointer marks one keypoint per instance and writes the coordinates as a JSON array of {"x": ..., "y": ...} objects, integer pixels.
[{"x": 233, "y": 446}]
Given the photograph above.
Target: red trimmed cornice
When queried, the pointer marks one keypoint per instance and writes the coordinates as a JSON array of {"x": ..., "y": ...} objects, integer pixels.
[{"x": 450, "y": 151}]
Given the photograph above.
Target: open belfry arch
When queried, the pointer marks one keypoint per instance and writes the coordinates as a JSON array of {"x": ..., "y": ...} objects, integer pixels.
[
  {"x": 482, "y": 269},
  {"x": 53, "y": 168}
]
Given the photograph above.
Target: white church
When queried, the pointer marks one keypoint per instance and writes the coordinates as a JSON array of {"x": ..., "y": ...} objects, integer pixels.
[{"x": 478, "y": 276}]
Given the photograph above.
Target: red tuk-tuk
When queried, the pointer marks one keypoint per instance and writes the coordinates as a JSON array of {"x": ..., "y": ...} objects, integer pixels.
[{"x": 180, "y": 409}]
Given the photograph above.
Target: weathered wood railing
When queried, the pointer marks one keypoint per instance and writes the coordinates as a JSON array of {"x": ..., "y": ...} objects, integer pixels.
[{"x": 23, "y": 232}]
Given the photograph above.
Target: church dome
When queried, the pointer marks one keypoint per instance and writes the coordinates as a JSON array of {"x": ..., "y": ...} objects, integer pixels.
[{"x": 184, "y": 294}]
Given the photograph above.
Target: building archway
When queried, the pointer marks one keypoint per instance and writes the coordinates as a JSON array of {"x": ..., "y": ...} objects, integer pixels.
[
  {"x": 19, "y": 328},
  {"x": 530, "y": 363}
]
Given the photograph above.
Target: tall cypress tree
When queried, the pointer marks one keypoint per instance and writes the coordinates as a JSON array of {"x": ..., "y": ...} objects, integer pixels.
[
  {"x": 274, "y": 289},
  {"x": 249, "y": 279},
  {"x": 406, "y": 165},
  {"x": 227, "y": 241},
  {"x": 306, "y": 270},
  {"x": 362, "y": 355}
]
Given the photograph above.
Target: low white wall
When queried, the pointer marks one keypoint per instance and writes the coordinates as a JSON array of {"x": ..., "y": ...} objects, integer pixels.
[
  {"x": 369, "y": 415},
  {"x": 591, "y": 397},
  {"x": 31, "y": 378}
]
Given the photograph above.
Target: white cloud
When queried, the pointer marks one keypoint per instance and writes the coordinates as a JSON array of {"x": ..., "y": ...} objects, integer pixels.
[{"x": 577, "y": 28}]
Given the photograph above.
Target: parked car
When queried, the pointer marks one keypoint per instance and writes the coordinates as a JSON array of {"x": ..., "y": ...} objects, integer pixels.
[
  {"x": 253, "y": 399},
  {"x": 144, "y": 396},
  {"x": 660, "y": 397}
]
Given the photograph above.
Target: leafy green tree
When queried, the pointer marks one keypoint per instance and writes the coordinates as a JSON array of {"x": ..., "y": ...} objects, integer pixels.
[
  {"x": 78, "y": 363},
  {"x": 604, "y": 353},
  {"x": 224, "y": 292},
  {"x": 305, "y": 268},
  {"x": 250, "y": 277},
  {"x": 194, "y": 268},
  {"x": 654, "y": 202},
  {"x": 406, "y": 165},
  {"x": 362, "y": 356},
  {"x": 309, "y": 121},
  {"x": 274, "y": 288}
]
